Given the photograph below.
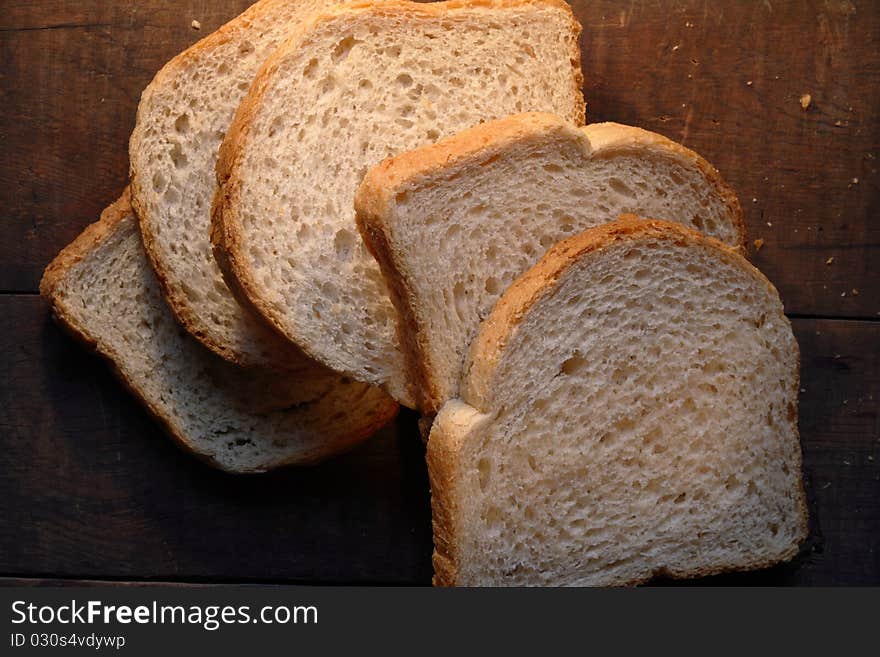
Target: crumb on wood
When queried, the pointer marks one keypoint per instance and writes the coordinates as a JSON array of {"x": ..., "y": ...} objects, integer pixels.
[
  {"x": 806, "y": 99},
  {"x": 855, "y": 181},
  {"x": 855, "y": 292},
  {"x": 843, "y": 294},
  {"x": 758, "y": 244},
  {"x": 754, "y": 200},
  {"x": 676, "y": 47},
  {"x": 196, "y": 25},
  {"x": 749, "y": 83},
  {"x": 770, "y": 224},
  {"x": 830, "y": 260}
]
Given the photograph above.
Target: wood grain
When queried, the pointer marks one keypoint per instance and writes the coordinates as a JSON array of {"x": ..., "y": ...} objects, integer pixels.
[
  {"x": 726, "y": 79},
  {"x": 73, "y": 73},
  {"x": 92, "y": 488}
]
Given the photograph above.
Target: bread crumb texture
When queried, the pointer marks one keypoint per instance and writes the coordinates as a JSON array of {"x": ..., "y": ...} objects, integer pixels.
[{"x": 638, "y": 418}]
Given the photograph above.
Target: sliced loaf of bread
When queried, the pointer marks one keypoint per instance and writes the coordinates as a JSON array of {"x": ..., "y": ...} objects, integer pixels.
[
  {"x": 629, "y": 410},
  {"x": 352, "y": 87},
  {"x": 103, "y": 290},
  {"x": 182, "y": 118},
  {"x": 454, "y": 223}
]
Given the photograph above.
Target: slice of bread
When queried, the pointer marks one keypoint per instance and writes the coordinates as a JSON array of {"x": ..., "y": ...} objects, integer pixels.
[
  {"x": 629, "y": 410},
  {"x": 354, "y": 86},
  {"x": 182, "y": 118},
  {"x": 103, "y": 290},
  {"x": 454, "y": 223}
]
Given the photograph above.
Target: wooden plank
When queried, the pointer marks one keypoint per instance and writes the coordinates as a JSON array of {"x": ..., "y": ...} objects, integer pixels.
[
  {"x": 726, "y": 78},
  {"x": 92, "y": 489},
  {"x": 74, "y": 71}
]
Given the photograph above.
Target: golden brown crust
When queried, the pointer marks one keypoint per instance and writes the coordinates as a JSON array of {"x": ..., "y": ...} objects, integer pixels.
[
  {"x": 443, "y": 459},
  {"x": 184, "y": 314},
  {"x": 540, "y": 279},
  {"x": 443, "y": 449},
  {"x": 421, "y": 387},
  {"x": 88, "y": 240},
  {"x": 226, "y": 231},
  {"x": 374, "y": 200},
  {"x": 111, "y": 220},
  {"x": 388, "y": 178},
  {"x": 609, "y": 138}
]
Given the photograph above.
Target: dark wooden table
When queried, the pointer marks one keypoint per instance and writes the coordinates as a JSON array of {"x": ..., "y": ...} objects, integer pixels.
[{"x": 91, "y": 489}]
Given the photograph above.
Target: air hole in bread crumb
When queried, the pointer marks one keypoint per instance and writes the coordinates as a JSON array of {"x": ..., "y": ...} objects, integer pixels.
[
  {"x": 484, "y": 470},
  {"x": 178, "y": 157},
  {"x": 404, "y": 80},
  {"x": 492, "y": 285},
  {"x": 309, "y": 70},
  {"x": 458, "y": 298},
  {"x": 158, "y": 182},
  {"x": 246, "y": 48},
  {"x": 493, "y": 516},
  {"x": 181, "y": 124},
  {"x": 344, "y": 244},
  {"x": 573, "y": 365},
  {"x": 343, "y": 48},
  {"x": 621, "y": 188}
]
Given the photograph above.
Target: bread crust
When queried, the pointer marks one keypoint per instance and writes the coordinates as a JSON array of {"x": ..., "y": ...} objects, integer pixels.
[
  {"x": 236, "y": 29},
  {"x": 610, "y": 138},
  {"x": 92, "y": 238},
  {"x": 227, "y": 237},
  {"x": 540, "y": 280},
  {"x": 375, "y": 196},
  {"x": 495, "y": 333}
]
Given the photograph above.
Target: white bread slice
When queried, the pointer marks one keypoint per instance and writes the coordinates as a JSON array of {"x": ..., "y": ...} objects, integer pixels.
[
  {"x": 182, "y": 119},
  {"x": 103, "y": 290},
  {"x": 630, "y": 409},
  {"x": 454, "y": 223},
  {"x": 354, "y": 86}
]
